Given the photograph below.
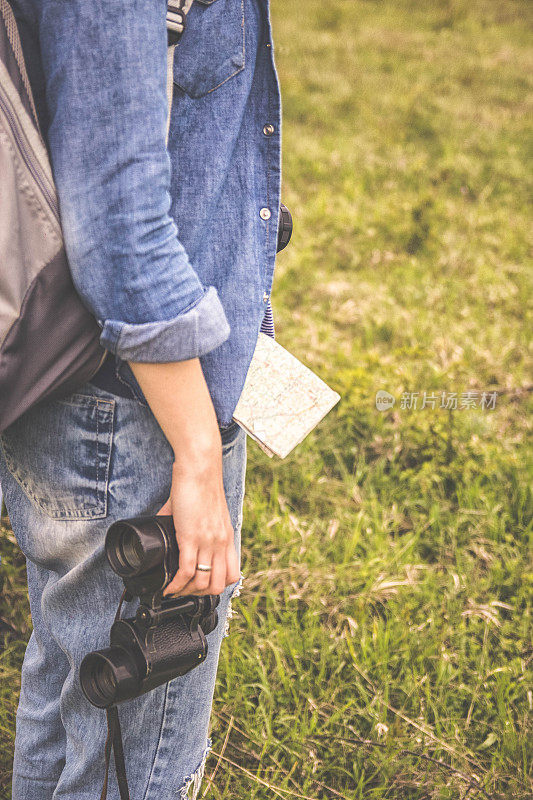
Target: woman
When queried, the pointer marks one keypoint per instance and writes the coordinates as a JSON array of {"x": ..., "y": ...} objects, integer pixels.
[{"x": 172, "y": 249}]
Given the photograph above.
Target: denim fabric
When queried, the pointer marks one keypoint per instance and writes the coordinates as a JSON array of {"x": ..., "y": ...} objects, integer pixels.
[
  {"x": 172, "y": 250},
  {"x": 69, "y": 468}
]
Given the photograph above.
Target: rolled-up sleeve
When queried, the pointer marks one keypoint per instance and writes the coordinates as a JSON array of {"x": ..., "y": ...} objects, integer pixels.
[{"x": 104, "y": 63}]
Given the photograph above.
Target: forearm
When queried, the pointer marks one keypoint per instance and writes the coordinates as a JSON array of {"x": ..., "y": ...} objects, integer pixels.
[{"x": 180, "y": 401}]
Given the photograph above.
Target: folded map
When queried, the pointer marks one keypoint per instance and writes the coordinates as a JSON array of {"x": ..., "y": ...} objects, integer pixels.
[{"x": 282, "y": 399}]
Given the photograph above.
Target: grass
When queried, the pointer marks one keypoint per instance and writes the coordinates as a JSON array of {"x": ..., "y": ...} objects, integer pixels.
[{"x": 382, "y": 647}]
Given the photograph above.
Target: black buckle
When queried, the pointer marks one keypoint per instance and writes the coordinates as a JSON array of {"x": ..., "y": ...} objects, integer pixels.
[{"x": 175, "y": 21}]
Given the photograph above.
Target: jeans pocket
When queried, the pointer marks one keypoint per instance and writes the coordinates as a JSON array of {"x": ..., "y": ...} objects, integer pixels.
[
  {"x": 211, "y": 50},
  {"x": 59, "y": 453}
]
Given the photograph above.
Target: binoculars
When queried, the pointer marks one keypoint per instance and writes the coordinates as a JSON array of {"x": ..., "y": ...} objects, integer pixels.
[{"x": 167, "y": 636}]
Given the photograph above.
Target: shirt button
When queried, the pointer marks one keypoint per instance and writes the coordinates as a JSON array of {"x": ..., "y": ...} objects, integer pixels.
[
  {"x": 265, "y": 213},
  {"x": 268, "y": 130},
  {"x": 265, "y": 297}
]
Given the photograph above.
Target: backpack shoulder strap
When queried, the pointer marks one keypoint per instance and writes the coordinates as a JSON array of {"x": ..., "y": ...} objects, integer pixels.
[
  {"x": 176, "y": 13},
  {"x": 13, "y": 58}
]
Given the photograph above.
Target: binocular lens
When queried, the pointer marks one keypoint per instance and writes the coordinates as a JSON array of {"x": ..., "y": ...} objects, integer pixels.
[
  {"x": 105, "y": 683},
  {"x": 130, "y": 549},
  {"x": 98, "y": 679},
  {"x": 134, "y": 547},
  {"x": 108, "y": 676}
]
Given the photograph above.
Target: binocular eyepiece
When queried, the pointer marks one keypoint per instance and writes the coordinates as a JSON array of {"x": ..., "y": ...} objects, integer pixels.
[
  {"x": 144, "y": 552},
  {"x": 167, "y": 637}
]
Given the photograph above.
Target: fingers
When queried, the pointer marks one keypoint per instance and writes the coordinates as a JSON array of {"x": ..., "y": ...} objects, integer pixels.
[
  {"x": 201, "y": 582},
  {"x": 233, "y": 567},
  {"x": 214, "y": 581},
  {"x": 224, "y": 563},
  {"x": 186, "y": 571}
]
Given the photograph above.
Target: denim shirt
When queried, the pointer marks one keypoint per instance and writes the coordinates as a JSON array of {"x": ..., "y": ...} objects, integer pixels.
[{"x": 171, "y": 248}]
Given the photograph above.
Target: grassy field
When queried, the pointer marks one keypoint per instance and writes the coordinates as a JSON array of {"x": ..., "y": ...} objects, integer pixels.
[{"x": 382, "y": 646}]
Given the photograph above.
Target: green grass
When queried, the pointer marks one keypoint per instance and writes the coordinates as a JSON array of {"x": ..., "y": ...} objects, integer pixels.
[{"x": 382, "y": 647}]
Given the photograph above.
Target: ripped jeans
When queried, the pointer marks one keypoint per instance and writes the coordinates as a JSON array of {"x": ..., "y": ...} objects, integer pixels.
[{"x": 68, "y": 469}]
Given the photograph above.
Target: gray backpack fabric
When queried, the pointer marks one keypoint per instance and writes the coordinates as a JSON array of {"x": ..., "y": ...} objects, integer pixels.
[{"x": 49, "y": 341}]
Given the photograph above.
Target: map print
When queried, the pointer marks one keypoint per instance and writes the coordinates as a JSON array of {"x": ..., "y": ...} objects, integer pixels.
[{"x": 282, "y": 399}]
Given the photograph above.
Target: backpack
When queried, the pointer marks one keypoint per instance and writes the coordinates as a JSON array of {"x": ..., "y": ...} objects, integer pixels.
[{"x": 49, "y": 340}]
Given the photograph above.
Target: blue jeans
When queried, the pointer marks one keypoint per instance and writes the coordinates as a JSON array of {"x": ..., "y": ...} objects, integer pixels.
[{"x": 68, "y": 469}]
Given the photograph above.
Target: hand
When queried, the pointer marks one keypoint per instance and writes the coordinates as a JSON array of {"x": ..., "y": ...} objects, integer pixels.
[
  {"x": 204, "y": 532},
  {"x": 179, "y": 398}
]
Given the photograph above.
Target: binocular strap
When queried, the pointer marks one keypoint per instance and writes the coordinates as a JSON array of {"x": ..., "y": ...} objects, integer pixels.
[
  {"x": 114, "y": 739},
  {"x": 114, "y": 742}
]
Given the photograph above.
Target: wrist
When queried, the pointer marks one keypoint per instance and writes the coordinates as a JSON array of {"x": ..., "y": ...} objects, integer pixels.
[{"x": 196, "y": 445}]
